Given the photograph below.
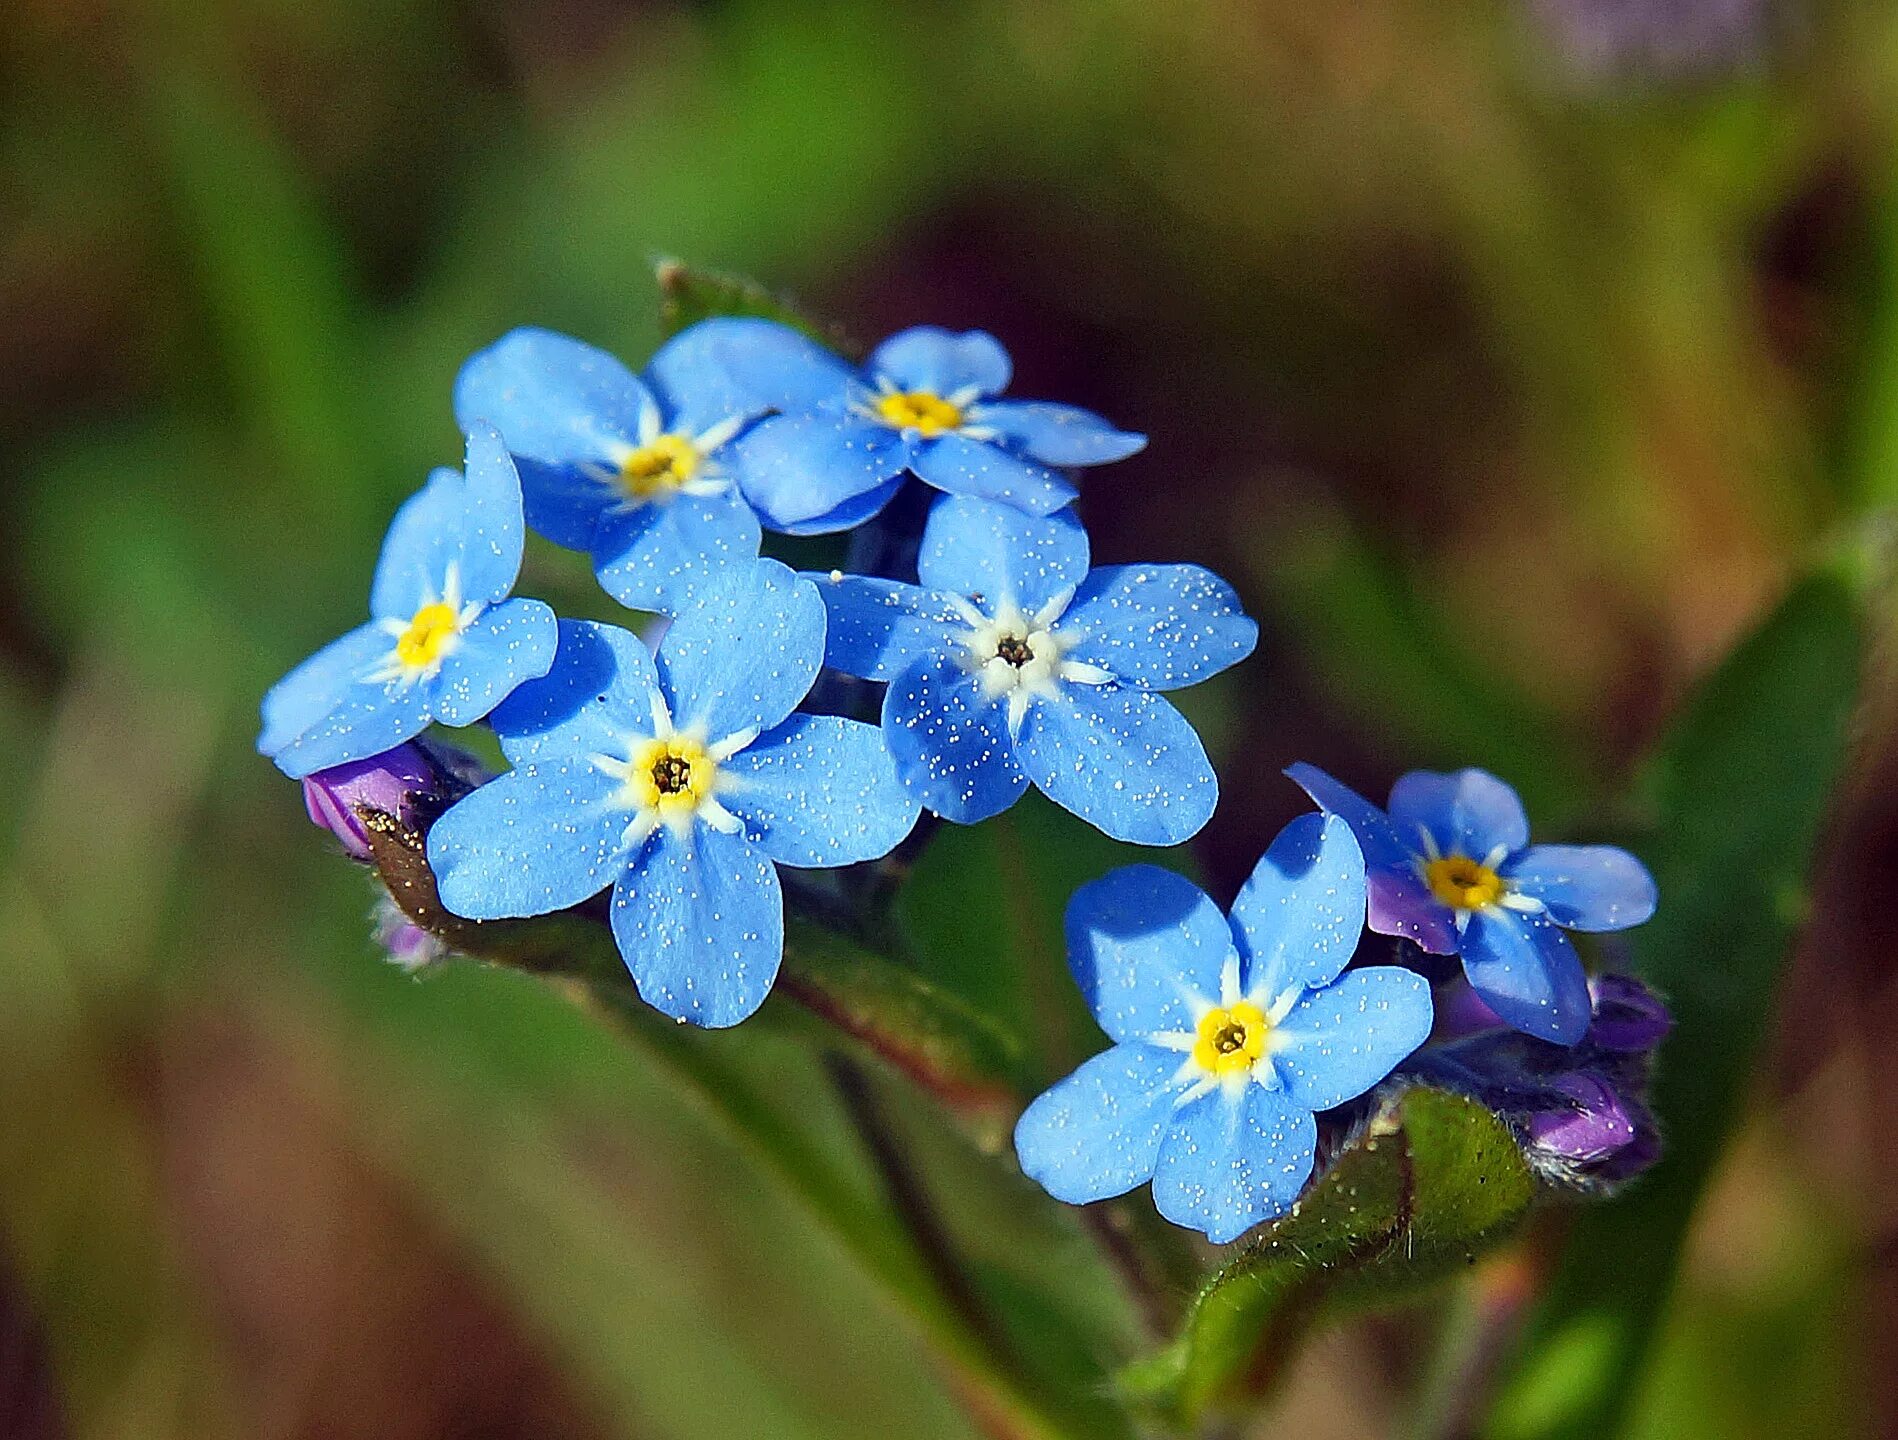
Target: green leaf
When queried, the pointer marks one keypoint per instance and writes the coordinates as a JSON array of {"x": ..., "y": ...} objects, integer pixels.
[
  {"x": 1434, "y": 1181},
  {"x": 1740, "y": 788},
  {"x": 932, "y": 1036},
  {"x": 687, "y": 296}
]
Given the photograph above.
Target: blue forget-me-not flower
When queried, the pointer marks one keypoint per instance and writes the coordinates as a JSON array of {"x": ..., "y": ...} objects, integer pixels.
[
  {"x": 1452, "y": 869},
  {"x": 1228, "y": 1036},
  {"x": 636, "y": 470},
  {"x": 681, "y": 780},
  {"x": 445, "y": 642},
  {"x": 927, "y": 403},
  {"x": 1013, "y": 662}
]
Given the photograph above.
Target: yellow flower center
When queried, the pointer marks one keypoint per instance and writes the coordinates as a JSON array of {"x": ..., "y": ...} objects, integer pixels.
[
  {"x": 922, "y": 410},
  {"x": 1232, "y": 1039},
  {"x": 1463, "y": 883},
  {"x": 429, "y": 637},
  {"x": 673, "y": 776},
  {"x": 659, "y": 468}
]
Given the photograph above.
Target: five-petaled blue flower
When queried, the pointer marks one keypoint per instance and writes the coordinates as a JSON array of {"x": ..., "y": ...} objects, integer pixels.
[
  {"x": 1452, "y": 869},
  {"x": 1227, "y": 1036},
  {"x": 634, "y": 469},
  {"x": 1013, "y": 662},
  {"x": 681, "y": 780},
  {"x": 446, "y": 643},
  {"x": 925, "y": 404}
]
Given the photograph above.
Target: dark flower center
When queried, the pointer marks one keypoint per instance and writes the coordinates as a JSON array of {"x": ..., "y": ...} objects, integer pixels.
[
  {"x": 1230, "y": 1037},
  {"x": 1014, "y": 649},
  {"x": 672, "y": 774}
]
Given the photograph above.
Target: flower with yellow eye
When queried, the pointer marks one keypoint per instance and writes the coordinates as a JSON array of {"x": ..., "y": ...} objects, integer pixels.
[
  {"x": 682, "y": 780},
  {"x": 1014, "y": 662},
  {"x": 634, "y": 469},
  {"x": 1229, "y": 1034},
  {"x": 446, "y": 643},
  {"x": 1452, "y": 869},
  {"x": 928, "y": 402}
]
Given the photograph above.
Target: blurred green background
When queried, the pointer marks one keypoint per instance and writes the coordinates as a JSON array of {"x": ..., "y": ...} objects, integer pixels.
[{"x": 1511, "y": 360}]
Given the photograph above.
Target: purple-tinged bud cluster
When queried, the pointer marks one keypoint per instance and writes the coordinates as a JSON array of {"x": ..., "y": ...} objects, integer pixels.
[
  {"x": 1580, "y": 1111},
  {"x": 407, "y": 945},
  {"x": 414, "y": 782}
]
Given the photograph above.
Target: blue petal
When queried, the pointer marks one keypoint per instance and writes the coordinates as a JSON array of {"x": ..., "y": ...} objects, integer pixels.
[
  {"x": 557, "y": 401},
  {"x": 694, "y": 384},
  {"x": 1122, "y": 759},
  {"x": 1339, "y": 1041},
  {"x": 700, "y": 924},
  {"x": 772, "y": 366},
  {"x": 745, "y": 652},
  {"x": 560, "y": 405},
  {"x": 950, "y": 745},
  {"x": 318, "y": 685},
  {"x": 492, "y": 531},
  {"x": 975, "y": 547},
  {"x": 1158, "y": 626},
  {"x": 820, "y": 790},
  {"x": 1144, "y": 945},
  {"x": 847, "y": 514},
  {"x": 961, "y": 466},
  {"x": 803, "y": 473},
  {"x": 877, "y": 627},
  {"x": 656, "y": 556},
  {"x": 508, "y": 643},
  {"x": 1586, "y": 887},
  {"x": 1469, "y": 813},
  {"x": 422, "y": 539},
  {"x": 565, "y": 503},
  {"x": 1301, "y": 914},
  {"x": 1233, "y": 1159},
  {"x": 536, "y": 840},
  {"x": 365, "y": 720},
  {"x": 599, "y": 691},
  {"x": 1400, "y": 902},
  {"x": 927, "y": 357},
  {"x": 1523, "y": 968},
  {"x": 1098, "y": 1132},
  {"x": 1057, "y": 434}
]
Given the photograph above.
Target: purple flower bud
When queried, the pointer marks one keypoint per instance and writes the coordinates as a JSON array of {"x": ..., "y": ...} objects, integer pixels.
[
  {"x": 408, "y": 946},
  {"x": 417, "y": 776},
  {"x": 1578, "y": 1110},
  {"x": 1462, "y": 1012},
  {"x": 1627, "y": 1015},
  {"x": 1585, "y": 1123}
]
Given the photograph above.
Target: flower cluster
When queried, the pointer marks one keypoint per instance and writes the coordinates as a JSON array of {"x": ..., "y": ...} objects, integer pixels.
[{"x": 676, "y": 778}]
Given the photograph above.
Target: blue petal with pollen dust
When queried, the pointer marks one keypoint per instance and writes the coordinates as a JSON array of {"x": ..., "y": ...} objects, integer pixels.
[
  {"x": 950, "y": 745},
  {"x": 1098, "y": 1132},
  {"x": 974, "y": 547},
  {"x": 536, "y": 840},
  {"x": 700, "y": 924},
  {"x": 1124, "y": 760},
  {"x": 819, "y": 790},
  {"x": 1145, "y": 945},
  {"x": 1232, "y": 1160}
]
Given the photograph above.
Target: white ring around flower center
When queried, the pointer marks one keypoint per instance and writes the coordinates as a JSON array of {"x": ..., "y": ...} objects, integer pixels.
[{"x": 1019, "y": 657}]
